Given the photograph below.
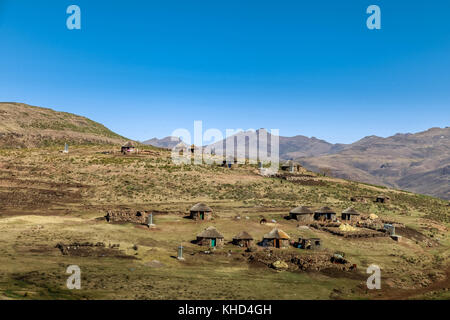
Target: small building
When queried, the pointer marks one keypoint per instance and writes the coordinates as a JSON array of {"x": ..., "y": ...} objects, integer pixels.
[
  {"x": 382, "y": 199},
  {"x": 243, "y": 239},
  {"x": 128, "y": 147},
  {"x": 325, "y": 214},
  {"x": 302, "y": 213},
  {"x": 291, "y": 166},
  {"x": 309, "y": 243},
  {"x": 201, "y": 211},
  {"x": 390, "y": 229},
  {"x": 276, "y": 238},
  {"x": 350, "y": 214},
  {"x": 210, "y": 237},
  {"x": 362, "y": 199}
]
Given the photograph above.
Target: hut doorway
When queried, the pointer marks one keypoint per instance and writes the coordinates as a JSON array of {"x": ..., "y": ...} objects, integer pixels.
[
  {"x": 277, "y": 243},
  {"x": 213, "y": 242},
  {"x": 202, "y": 216}
]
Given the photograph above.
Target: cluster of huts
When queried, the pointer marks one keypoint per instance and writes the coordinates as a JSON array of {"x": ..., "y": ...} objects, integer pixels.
[
  {"x": 276, "y": 238},
  {"x": 306, "y": 215},
  {"x": 365, "y": 199},
  {"x": 201, "y": 211}
]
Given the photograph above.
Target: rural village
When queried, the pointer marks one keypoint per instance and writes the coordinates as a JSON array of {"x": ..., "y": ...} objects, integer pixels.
[{"x": 141, "y": 227}]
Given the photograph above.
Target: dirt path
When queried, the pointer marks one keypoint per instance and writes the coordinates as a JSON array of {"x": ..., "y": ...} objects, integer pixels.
[{"x": 404, "y": 294}]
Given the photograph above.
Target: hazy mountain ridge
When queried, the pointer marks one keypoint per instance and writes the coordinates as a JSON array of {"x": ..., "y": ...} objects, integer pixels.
[
  {"x": 167, "y": 142},
  {"x": 415, "y": 162}
]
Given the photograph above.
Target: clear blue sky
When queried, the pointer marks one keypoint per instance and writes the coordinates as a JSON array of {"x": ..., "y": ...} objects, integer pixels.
[{"x": 145, "y": 68}]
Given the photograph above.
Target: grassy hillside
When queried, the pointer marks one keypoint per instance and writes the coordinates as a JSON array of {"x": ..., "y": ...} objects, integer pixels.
[
  {"x": 22, "y": 125},
  {"x": 47, "y": 198}
]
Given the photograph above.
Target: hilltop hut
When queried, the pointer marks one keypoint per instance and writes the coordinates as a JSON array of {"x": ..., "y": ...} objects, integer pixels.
[
  {"x": 210, "y": 237},
  {"x": 128, "y": 147},
  {"x": 201, "y": 212},
  {"x": 350, "y": 214},
  {"x": 243, "y": 239},
  {"x": 302, "y": 213},
  {"x": 290, "y": 166},
  {"x": 309, "y": 243},
  {"x": 382, "y": 199},
  {"x": 276, "y": 238},
  {"x": 325, "y": 214}
]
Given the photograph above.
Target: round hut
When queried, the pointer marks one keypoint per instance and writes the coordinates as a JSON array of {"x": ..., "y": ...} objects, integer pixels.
[
  {"x": 302, "y": 213},
  {"x": 210, "y": 237},
  {"x": 291, "y": 166},
  {"x": 276, "y": 238},
  {"x": 350, "y": 214},
  {"x": 243, "y": 239},
  {"x": 128, "y": 147},
  {"x": 382, "y": 199},
  {"x": 325, "y": 214},
  {"x": 201, "y": 211}
]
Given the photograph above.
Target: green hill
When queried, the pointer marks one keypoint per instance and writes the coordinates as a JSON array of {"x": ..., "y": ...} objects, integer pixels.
[{"x": 23, "y": 126}]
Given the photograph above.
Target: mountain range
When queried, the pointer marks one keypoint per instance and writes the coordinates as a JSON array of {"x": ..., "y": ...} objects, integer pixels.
[{"x": 418, "y": 162}]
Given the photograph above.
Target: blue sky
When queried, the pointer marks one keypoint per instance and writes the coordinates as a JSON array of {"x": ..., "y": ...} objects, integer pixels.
[{"x": 146, "y": 68}]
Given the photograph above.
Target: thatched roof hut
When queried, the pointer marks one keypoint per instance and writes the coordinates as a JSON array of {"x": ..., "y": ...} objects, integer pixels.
[
  {"x": 210, "y": 233},
  {"x": 201, "y": 211},
  {"x": 201, "y": 207},
  {"x": 382, "y": 199},
  {"x": 301, "y": 213},
  {"x": 128, "y": 146},
  {"x": 325, "y": 213},
  {"x": 276, "y": 238},
  {"x": 290, "y": 166},
  {"x": 276, "y": 234},
  {"x": 210, "y": 237},
  {"x": 243, "y": 235},
  {"x": 350, "y": 214},
  {"x": 243, "y": 239}
]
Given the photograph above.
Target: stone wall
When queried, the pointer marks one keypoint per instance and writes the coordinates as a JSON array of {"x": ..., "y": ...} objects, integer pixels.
[{"x": 138, "y": 217}]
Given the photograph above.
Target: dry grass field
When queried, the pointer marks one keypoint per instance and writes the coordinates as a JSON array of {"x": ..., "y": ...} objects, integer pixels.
[{"x": 47, "y": 197}]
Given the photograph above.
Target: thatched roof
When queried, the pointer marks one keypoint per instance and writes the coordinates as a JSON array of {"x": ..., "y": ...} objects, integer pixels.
[
  {"x": 129, "y": 144},
  {"x": 301, "y": 210},
  {"x": 276, "y": 234},
  {"x": 210, "y": 233},
  {"x": 351, "y": 210},
  {"x": 201, "y": 207},
  {"x": 325, "y": 210},
  {"x": 243, "y": 235}
]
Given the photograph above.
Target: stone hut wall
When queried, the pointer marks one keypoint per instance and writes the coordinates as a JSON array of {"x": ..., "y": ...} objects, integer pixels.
[{"x": 138, "y": 217}]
